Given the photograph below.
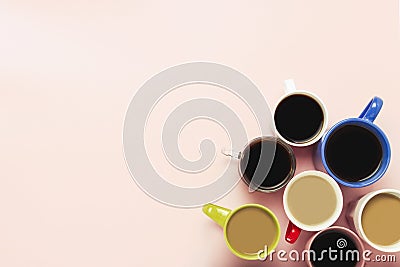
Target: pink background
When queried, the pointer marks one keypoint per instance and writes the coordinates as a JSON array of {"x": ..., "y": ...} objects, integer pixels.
[{"x": 68, "y": 70}]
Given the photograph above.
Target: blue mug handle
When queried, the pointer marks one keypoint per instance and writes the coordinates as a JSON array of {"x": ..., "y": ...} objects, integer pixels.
[{"x": 371, "y": 111}]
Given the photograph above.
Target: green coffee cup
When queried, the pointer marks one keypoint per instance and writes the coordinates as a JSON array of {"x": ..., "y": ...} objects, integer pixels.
[{"x": 250, "y": 230}]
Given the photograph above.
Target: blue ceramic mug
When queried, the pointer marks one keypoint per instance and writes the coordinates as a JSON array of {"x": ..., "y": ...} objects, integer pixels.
[{"x": 355, "y": 152}]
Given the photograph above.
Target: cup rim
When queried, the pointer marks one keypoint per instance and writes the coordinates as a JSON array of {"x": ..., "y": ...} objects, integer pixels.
[
  {"x": 324, "y": 126},
  {"x": 359, "y": 243},
  {"x": 287, "y": 178},
  {"x": 390, "y": 248},
  {"x": 382, "y": 139},
  {"x": 270, "y": 213},
  {"x": 332, "y": 219}
]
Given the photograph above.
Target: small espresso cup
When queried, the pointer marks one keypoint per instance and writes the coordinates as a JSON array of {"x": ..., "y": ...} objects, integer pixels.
[
  {"x": 248, "y": 229},
  {"x": 375, "y": 217},
  {"x": 266, "y": 164},
  {"x": 312, "y": 201},
  {"x": 355, "y": 152},
  {"x": 347, "y": 248},
  {"x": 300, "y": 117}
]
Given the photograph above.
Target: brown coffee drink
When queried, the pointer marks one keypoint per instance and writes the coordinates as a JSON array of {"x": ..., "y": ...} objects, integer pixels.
[
  {"x": 381, "y": 219},
  {"x": 250, "y": 229},
  {"x": 312, "y": 200}
]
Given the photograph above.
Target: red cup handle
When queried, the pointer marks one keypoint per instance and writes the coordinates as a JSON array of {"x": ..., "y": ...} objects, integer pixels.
[{"x": 292, "y": 233}]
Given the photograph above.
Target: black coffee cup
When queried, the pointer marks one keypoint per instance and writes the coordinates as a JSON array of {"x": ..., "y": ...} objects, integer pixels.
[
  {"x": 300, "y": 117},
  {"x": 266, "y": 164},
  {"x": 335, "y": 246}
]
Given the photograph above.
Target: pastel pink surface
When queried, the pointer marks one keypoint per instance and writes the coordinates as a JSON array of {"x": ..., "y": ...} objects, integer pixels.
[{"x": 68, "y": 70}]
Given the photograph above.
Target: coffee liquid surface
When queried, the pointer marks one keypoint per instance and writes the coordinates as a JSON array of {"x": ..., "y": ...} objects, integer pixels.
[
  {"x": 381, "y": 219},
  {"x": 353, "y": 153},
  {"x": 299, "y": 118},
  {"x": 251, "y": 229},
  {"x": 273, "y": 169},
  {"x": 346, "y": 250},
  {"x": 312, "y": 200}
]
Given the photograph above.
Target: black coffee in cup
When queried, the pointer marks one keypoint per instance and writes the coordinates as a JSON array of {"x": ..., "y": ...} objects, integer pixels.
[
  {"x": 344, "y": 252},
  {"x": 353, "y": 153},
  {"x": 274, "y": 170},
  {"x": 299, "y": 118}
]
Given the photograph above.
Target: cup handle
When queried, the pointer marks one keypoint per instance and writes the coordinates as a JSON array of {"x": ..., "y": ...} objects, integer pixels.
[
  {"x": 290, "y": 86},
  {"x": 371, "y": 111},
  {"x": 231, "y": 153},
  {"x": 292, "y": 233},
  {"x": 216, "y": 213}
]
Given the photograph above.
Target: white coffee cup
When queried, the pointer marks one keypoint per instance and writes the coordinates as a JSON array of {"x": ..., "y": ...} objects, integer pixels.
[
  {"x": 295, "y": 224},
  {"x": 354, "y": 218},
  {"x": 290, "y": 90}
]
